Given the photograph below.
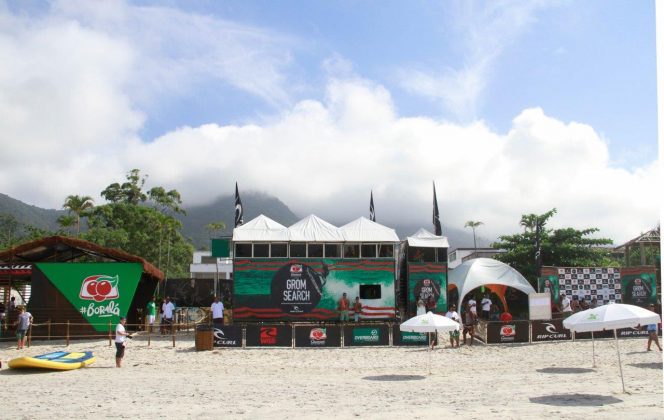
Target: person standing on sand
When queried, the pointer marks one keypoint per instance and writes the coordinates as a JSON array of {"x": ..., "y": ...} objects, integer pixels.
[
  {"x": 652, "y": 332},
  {"x": 23, "y": 321},
  {"x": 454, "y": 316},
  {"x": 357, "y": 309},
  {"x": 470, "y": 319},
  {"x": 167, "y": 309},
  {"x": 486, "y": 307},
  {"x": 343, "y": 306},
  {"x": 565, "y": 305},
  {"x": 151, "y": 311},
  {"x": 120, "y": 341},
  {"x": 217, "y": 309}
]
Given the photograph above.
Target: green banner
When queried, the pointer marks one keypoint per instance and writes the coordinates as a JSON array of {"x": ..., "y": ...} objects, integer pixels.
[
  {"x": 101, "y": 292},
  {"x": 639, "y": 289},
  {"x": 310, "y": 289},
  {"x": 427, "y": 280},
  {"x": 366, "y": 335},
  {"x": 549, "y": 284}
]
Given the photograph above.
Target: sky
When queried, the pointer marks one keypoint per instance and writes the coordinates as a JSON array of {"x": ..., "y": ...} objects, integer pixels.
[{"x": 510, "y": 107}]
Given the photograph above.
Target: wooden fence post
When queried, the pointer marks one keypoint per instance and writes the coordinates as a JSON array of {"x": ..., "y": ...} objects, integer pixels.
[
  {"x": 67, "y": 333},
  {"x": 173, "y": 333},
  {"x": 29, "y": 335},
  {"x": 149, "y": 328},
  {"x": 49, "y": 329},
  {"x": 109, "y": 333}
]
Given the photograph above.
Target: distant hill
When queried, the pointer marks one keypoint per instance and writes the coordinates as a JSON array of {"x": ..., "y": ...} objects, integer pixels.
[{"x": 30, "y": 215}]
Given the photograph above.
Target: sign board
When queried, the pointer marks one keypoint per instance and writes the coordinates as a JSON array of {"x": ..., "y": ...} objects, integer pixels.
[
  {"x": 539, "y": 305},
  {"x": 314, "y": 336},
  {"x": 269, "y": 336},
  {"x": 366, "y": 335},
  {"x": 508, "y": 332},
  {"x": 427, "y": 280},
  {"x": 549, "y": 330},
  {"x": 595, "y": 334},
  {"x": 227, "y": 336},
  {"x": 404, "y": 338}
]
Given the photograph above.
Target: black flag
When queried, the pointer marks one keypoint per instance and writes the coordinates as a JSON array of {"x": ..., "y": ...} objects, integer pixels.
[
  {"x": 436, "y": 216},
  {"x": 238, "y": 208},
  {"x": 372, "y": 212},
  {"x": 538, "y": 247}
]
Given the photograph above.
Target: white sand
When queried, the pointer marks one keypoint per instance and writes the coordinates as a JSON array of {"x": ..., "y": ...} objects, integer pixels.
[{"x": 508, "y": 381}]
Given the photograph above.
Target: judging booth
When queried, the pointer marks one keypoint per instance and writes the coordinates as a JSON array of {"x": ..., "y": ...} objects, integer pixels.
[
  {"x": 424, "y": 262},
  {"x": 299, "y": 273},
  {"x": 78, "y": 288},
  {"x": 508, "y": 290}
]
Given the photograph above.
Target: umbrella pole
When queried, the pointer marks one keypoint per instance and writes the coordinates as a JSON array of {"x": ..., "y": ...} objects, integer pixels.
[
  {"x": 592, "y": 336},
  {"x": 615, "y": 335}
]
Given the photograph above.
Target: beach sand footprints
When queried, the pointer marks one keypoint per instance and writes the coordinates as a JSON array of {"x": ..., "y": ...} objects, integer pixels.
[{"x": 566, "y": 400}]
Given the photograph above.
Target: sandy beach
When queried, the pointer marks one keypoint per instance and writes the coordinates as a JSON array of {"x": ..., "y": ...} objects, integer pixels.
[{"x": 506, "y": 381}]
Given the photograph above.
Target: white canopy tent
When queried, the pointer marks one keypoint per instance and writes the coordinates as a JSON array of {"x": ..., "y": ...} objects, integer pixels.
[
  {"x": 425, "y": 239},
  {"x": 314, "y": 229},
  {"x": 364, "y": 230},
  {"x": 482, "y": 271},
  {"x": 260, "y": 229}
]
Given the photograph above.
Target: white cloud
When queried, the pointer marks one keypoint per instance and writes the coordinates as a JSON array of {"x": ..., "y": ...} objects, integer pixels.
[{"x": 482, "y": 33}]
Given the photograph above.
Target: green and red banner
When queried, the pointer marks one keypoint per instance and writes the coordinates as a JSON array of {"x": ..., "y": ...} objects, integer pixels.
[
  {"x": 100, "y": 292},
  {"x": 427, "y": 280},
  {"x": 310, "y": 289}
]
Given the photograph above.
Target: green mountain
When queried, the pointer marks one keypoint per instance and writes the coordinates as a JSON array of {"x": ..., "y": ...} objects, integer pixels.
[{"x": 27, "y": 214}]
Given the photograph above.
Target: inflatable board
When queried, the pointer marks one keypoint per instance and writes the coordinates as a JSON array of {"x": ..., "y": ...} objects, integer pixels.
[{"x": 59, "y": 360}]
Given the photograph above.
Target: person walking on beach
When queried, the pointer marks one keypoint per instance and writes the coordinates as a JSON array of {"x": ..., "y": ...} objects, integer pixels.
[
  {"x": 454, "y": 316},
  {"x": 357, "y": 309},
  {"x": 652, "y": 332},
  {"x": 343, "y": 306},
  {"x": 486, "y": 307},
  {"x": 23, "y": 321},
  {"x": 151, "y": 311},
  {"x": 217, "y": 313},
  {"x": 121, "y": 336},
  {"x": 469, "y": 320}
]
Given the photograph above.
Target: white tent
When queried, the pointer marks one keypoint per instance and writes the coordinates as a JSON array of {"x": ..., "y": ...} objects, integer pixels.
[
  {"x": 364, "y": 230},
  {"x": 425, "y": 239},
  {"x": 481, "y": 271},
  {"x": 314, "y": 229},
  {"x": 262, "y": 228}
]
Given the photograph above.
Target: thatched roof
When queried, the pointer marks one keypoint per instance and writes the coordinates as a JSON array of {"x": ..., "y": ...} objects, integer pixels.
[{"x": 63, "y": 249}]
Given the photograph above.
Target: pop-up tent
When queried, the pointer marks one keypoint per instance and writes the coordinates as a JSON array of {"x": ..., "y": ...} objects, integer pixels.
[{"x": 493, "y": 274}]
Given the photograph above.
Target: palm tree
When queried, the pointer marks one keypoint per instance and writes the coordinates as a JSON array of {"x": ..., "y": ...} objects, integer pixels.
[
  {"x": 471, "y": 224},
  {"x": 78, "y": 205}
]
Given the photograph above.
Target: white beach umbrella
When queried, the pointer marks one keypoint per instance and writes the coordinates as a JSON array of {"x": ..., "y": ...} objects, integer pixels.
[
  {"x": 429, "y": 323},
  {"x": 611, "y": 317}
]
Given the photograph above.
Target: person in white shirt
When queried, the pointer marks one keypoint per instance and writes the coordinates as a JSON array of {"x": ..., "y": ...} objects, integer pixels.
[
  {"x": 167, "y": 309},
  {"x": 217, "y": 313},
  {"x": 454, "y": 335},
  {"x": 120, "y": 341},
  {"x": 473, "y": 306},
  {"x": 565, "y": 305},
  {"x": 486, "y": 306}
]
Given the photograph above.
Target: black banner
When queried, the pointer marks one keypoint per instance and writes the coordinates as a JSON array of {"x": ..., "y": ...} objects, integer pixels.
[
  {"x": 633, "y": 332},
  {"x": 269, "y": 336},
  {"x": 551, "y": 330},
  {"x": 228, "y": 336},
  {"x": 595, "y": 334},
  {"x": 403, "y": 338},
  {"x": 366, "y": 335},
  {"x": 312, "y": 336},
  {"x": 508, "y": 332}
]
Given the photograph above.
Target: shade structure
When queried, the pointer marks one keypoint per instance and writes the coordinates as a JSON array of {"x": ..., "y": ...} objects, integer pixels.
[
  {"x": 262, "y": 228},
  {"x": 482, "y": 271},
  {"x": 364, "y": 230},
  {"x": 611, "y": 317},
  {"x": 425, "y": 239},
  {"x": 429, "y": 322}
]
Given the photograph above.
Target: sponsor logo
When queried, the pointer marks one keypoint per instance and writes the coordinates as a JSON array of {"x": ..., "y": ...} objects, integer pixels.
[
  {"x": 99, "y": 288},
  {"x": 407, "y": 337},
  {"x": 221, "y": 340},
  {"x": 507, "y": 332},
  {"x": 268, "y": 336},
  {"x": 553, "y": 333},
  {"x": 296, "y": 269},
  {"x": 366, "y": 335},
  {"x": 318, "y": 336}
]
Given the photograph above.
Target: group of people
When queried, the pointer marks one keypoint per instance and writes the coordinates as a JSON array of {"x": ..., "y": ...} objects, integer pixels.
[
  {"x": 166, "y": 310},
  {"x": 344, "y": 307},
  {"x": 22, "y": 320},
  {"x": 569, "y": 306}
]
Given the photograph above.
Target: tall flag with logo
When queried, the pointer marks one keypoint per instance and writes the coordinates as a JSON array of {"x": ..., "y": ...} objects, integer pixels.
[
  {"x": 436, "y": 216},
  {"x": 538, "y": 247},
  {"x": 238, "y": 208},
  {"x": 372, "y": 211}
]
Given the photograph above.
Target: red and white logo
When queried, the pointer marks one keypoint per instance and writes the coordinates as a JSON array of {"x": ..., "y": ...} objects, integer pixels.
[
  {"x": 318, "y": 334},
  {"x": 99, "y": 288},
  {"x": 508, "y": 331},
  {"x": 296, "y": 269}
]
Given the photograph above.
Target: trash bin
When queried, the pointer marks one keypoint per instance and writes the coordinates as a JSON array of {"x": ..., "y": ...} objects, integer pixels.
[{"x": 204, "y": 337}]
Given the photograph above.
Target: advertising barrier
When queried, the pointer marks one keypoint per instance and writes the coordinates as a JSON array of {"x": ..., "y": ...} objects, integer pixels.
[
  {"x": 595, "y": 334},
  {"x": 228, "y": 336},
  {"x": 366, "y": 335},
  {"x": 404, "y": 338},
  {"x": 508, "y": 332},
  {"x": 269, "y": 336},
  {"x": 550, "y": 330},
  {"x": 317, "y": 336}
]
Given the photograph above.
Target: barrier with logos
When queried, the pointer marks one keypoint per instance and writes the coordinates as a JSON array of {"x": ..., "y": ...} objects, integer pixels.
[
  {"x": 507, "y": 332},
  {"x": 269, "y": 336},
  {"x": 228, "y": 336},
  {"x": 405, "y": 338},
  {"x": 549, "y": 330},
  {"x": 367, "y": 335},
  {"x": 317, "y": 336}
]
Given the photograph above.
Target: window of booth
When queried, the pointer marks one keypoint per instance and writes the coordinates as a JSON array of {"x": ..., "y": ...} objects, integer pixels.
[
  {"x": 386, "y": 250},
  {"x": 261, "y": 250},
  {"x": 368, "y": 250},
  {"x": 369, "y": 291},
  {"x": 453, "y": 256},
  {"x": 242, "y": 250},
  {"x": 441, "y": 254},
  {"x": 298, "y": 250},
  {"x": 351, "y": 250},
  {"x": 332, "y": 250},
  {"x": 315, "y": 251},
  {"x": 419, "y": 254},
  {"x": 279, "y": 250}
]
